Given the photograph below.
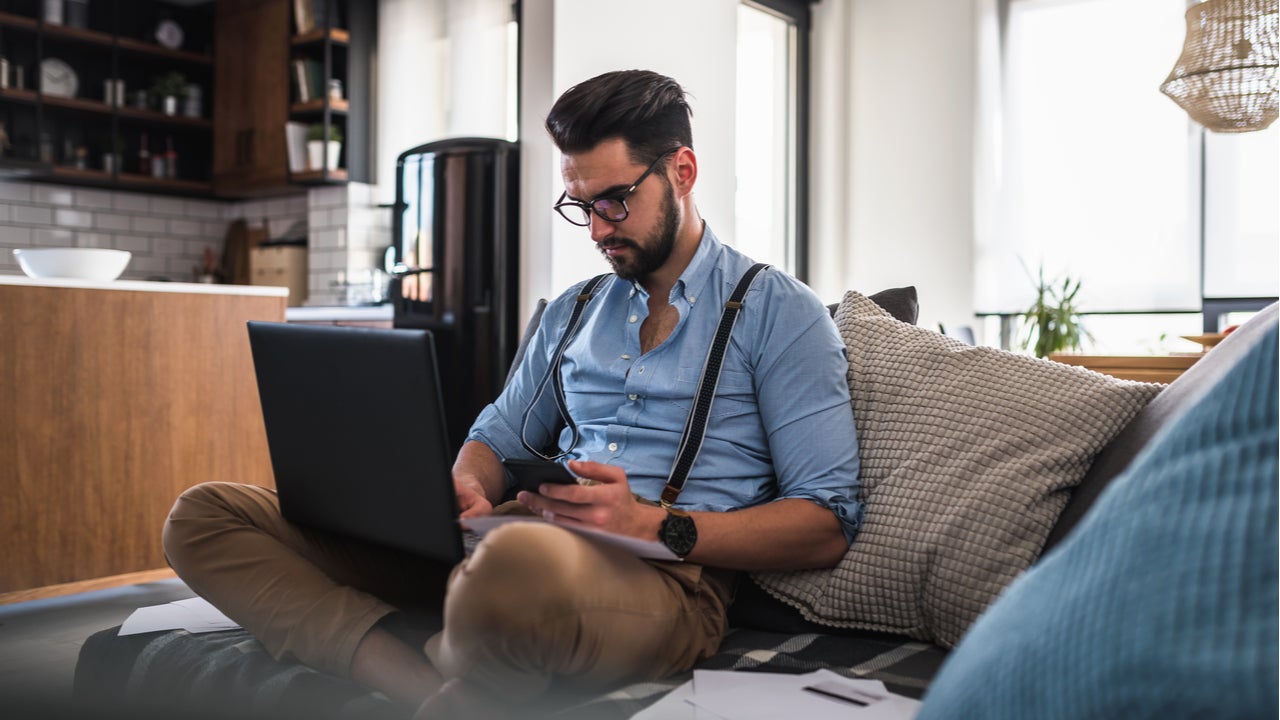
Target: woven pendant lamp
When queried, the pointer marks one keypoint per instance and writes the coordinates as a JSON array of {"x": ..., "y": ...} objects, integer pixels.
[{"x": 1226, "y": 77}]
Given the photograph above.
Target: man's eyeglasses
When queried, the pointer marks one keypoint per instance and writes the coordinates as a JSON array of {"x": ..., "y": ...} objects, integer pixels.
[{"x": 612, "y": 208}]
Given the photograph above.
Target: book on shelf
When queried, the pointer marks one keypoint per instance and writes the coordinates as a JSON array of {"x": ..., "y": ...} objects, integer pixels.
[
  {"x": 308, "y": 80},
  {"x": 309, "y": 15},
  {"x": 303, "y": 18}
]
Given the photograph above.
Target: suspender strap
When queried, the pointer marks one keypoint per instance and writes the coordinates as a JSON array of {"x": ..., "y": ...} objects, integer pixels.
[
  {"x": 552, "y": 374},
  {"x": 695, "y": 427}
]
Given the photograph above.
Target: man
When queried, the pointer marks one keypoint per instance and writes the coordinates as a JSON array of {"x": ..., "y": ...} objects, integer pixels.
[{"x": 774, "y": 486}]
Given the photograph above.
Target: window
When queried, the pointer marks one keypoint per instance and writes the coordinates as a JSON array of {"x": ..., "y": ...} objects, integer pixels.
[
  {"x": 1097, "y": 175},
  {"x": 771, "y": 199}
]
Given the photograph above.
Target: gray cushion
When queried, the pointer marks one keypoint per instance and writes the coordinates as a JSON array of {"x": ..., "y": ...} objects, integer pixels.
[{"x": 901, "y": 303}]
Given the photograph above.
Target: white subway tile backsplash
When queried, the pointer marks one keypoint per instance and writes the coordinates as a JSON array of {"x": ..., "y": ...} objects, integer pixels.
[
  {"x": 146, "y": 265},
  {"x": 31, "y": 215},
  {"x": 184, "y": 228},
  {"x": 11, "y": 236},
  {"x": 203, "y": 209},
  {"x": 93, "y": 199},
  {"x": 15, "y": 192},
  {"x": 167, "y": 235},
  {"x": 52, "y": 195},
  {"x": 134, "y": 243},
  {"x": 329, "y": 196},
  {"x": 131, "y": 201},
  {"x": 161, "y": 205},
  {"x": 112, "y": 221},
  {"x": 144, "y": 223},
  {"x": 52, "y": 237},
  {"x": 337, "y": 217},
  {"x": 63, "y": 217},
  {"x": 94, "y": 240}
]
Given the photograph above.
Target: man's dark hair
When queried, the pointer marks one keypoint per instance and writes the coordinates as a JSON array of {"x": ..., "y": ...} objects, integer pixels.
[{"x": 646, "y": 110}]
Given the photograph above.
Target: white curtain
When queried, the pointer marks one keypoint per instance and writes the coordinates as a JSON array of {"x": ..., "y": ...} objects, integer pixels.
[{"x": 1082, "y": 166}]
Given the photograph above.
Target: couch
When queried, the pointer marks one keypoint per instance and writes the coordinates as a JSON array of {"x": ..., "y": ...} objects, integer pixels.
[{"x": 939, "y": 579}]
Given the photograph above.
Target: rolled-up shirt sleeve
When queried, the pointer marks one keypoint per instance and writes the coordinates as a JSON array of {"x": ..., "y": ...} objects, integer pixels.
[{"x": 806, "y": 411}]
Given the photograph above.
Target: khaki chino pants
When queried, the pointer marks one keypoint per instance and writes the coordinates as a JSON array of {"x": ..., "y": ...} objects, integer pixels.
[{"x": 533, "y": 604}]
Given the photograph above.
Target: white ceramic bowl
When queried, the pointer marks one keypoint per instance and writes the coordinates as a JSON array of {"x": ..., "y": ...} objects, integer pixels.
[{"x": 77, "y": 263}]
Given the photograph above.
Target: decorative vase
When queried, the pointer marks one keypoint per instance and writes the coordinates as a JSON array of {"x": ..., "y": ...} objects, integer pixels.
[
  {"x": 334, "y": 151},
  {"x": 315, "y": 154},
  {"x": 170, "y": 105}
]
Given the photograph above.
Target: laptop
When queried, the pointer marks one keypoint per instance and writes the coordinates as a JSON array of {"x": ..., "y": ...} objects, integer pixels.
[{"x": 356, "y": 432}]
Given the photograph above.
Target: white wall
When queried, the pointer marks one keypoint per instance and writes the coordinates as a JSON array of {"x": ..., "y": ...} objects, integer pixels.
[
  {"x": 565, "y": 42},
  {"x": 892, "y": 151}
]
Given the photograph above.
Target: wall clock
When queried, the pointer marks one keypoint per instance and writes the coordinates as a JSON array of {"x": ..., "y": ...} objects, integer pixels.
[
  {"x": 169, "y": 34},
  {"x": 57, "y": 78}
]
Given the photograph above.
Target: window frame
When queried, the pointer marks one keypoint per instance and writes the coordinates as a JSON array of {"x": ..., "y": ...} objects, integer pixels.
[{"x": 800, "y": 14}]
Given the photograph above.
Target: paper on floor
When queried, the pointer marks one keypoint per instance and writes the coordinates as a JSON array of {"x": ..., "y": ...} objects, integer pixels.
[
  {"x": 736, "y": 695},
  {"x": 194, "y": 615}
]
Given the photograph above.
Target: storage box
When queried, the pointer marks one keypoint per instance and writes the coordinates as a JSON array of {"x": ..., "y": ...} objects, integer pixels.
[{"x": 280, "y": 265}]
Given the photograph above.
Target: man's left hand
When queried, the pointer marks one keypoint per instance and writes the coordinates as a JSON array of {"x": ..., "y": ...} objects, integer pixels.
[{"x": 604, "y": 504}]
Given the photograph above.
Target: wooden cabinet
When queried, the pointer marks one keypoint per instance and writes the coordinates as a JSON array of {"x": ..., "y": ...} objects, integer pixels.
[
  {"x": 251, "y": 56},
  {"x": 115, "y": 401},
  {"x": 78, "y": 102}
]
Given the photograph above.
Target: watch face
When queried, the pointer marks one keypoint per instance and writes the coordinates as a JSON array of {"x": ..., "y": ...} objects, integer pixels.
[
  {"x": 679, "y": 534},
  {"x": 57, "y": 78},
  {"x": 169, "y": 34}
]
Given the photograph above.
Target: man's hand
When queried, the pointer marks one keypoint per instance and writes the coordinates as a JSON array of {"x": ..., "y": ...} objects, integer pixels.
[
  {"x": 471, "y": 499},
  {"x": 606, "y": 504}
]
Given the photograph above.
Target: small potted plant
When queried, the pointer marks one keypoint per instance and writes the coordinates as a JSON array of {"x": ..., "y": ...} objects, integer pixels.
[
  {"x": 169, "y": 88},
  {"x": 322, "y": 151},
  {"x": 1053, "y": 322}
]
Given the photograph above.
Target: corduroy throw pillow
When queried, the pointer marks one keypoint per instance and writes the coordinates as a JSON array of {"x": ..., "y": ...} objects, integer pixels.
[{"x": 968, "y": 456}]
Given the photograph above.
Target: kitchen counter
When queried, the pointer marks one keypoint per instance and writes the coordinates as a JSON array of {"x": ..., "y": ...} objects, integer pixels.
[
  {"x": 339, "y": 313},
  {"x": 118, "y": 396},
  {"x": 148, "y": 286}
]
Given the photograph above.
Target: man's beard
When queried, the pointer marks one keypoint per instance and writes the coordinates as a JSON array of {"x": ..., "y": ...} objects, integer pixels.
[{"x": 653, "y": 254}]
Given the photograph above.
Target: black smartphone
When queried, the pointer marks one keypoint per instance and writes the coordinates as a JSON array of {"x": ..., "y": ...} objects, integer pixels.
[{"x": 531, "y": 474}]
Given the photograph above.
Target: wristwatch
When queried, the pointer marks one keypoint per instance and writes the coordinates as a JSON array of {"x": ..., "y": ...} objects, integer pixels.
[{"x": 678, "y": 532}]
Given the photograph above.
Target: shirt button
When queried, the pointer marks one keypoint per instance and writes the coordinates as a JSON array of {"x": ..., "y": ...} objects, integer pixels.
[
  {"x": 632, "y": 396},
  {"x": 633, "y": 318},
  {"x": 692, "y": 299},
  {"x": 641, "y": 369},
  {"x": 613, "y": 447},
  {"x": 626, "y": 357}
]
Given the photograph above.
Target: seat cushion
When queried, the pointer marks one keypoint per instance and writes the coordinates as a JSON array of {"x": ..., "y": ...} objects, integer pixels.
[
  {"x": 968, "y": 455},
  {"x": 1163, "y": 602}
]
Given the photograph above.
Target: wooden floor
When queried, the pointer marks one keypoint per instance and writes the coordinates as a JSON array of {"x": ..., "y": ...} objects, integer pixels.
[{"x": 40, "y": 639}]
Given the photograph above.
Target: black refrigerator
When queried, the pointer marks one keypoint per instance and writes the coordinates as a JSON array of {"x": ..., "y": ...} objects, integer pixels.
[{"x": 455, "y": 230}]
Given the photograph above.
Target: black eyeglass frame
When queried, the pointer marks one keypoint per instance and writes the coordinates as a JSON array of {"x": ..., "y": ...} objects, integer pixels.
[{"x": 589, "y": 207}]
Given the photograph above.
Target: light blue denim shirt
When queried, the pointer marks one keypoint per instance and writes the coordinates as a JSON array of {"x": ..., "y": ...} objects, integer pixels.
[{"x": 781, "y": 425}]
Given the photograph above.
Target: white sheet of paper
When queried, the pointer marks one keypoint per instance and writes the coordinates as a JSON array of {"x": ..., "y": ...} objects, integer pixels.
[
  {"x": 194, "y": 615},
  {"x": 640, "y": 548},
  {"x": 751, "y": 695},
  {"x": 676, "y": 705}
]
